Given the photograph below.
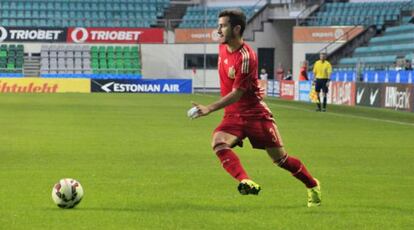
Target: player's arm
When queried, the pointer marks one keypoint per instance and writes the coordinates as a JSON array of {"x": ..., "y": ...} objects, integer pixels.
[
  {"x": 315, "y": 70},
  {"x": 315, "y": 66},
  {"x": 229, "y": 99},
  {"x": 329, "y": 70}
]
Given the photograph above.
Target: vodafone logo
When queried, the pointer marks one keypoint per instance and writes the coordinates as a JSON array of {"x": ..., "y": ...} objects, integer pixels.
[
  {"x": 3, "y": 33},
  {"x": 339, "y": 33},
  {"x": 81, "y": 35}
]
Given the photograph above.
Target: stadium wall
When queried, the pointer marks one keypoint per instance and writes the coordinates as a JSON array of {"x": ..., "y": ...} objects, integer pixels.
[
  {"x": 167, "y": 61},
  {"x": 382, "y": 95},
  {"x": 310, "y": 39},
  {"x": 170, "y": 57},
  {"x": 36, "y": 47},
  {"x": 301, "y": 49},
  {"x": 278, "y": 35}
]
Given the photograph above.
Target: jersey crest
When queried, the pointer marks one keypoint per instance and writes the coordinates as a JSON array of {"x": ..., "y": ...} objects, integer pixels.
[{"x": 232, "y": 72}]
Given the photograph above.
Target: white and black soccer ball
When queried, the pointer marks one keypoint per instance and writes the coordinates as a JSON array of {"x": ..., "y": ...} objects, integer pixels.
[{"x": 67, "y": 193}]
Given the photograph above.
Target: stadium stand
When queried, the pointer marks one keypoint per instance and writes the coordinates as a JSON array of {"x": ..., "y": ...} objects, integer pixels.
[
  {"x": 358, "y": 13},
  {"x": 62, "y": 59},
  {"x": 382, "y": 52},
  {"x": 82, "y": 13},
  {"x": 115, "y": 60},
  {"x": 90, "y": 61},
  {"x": 393, "y": 42},
  {"x": 194, "y": 17},
  {"x": 11, "y": 60}
]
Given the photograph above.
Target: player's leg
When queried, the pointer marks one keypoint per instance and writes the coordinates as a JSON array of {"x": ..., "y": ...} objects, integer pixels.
[
  {"x": 266, "y": 136},
  {"x": 318, "y": 91},
  {"x": 298, "y": 170},
  {"x": 222, "y": 143},
  {"x": 324, "y": 102},
  {"x": 291, "y": 164},
  {"x": 325, "y": 92}
]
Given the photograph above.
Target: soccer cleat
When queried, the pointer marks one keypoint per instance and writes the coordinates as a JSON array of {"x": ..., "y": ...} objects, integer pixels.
[
  {"x": 324, "y": 110},
  {"x": 248, "y": 186},
  {"x": 314, "y": 195}
]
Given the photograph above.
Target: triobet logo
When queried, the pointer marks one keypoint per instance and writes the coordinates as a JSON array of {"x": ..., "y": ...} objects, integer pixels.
[
  {"x": 29, "y": 34},
  {"x": 3, "y": 34},
  {"x": 30, "y": 87},
  {"x": 80, "y": 35}
]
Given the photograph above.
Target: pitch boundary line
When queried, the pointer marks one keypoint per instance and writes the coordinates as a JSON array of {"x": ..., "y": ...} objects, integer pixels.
[{"x": 331, "y": 113}]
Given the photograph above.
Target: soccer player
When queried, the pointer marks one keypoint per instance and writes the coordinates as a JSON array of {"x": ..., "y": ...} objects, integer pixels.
[
  {"x": 322, "y": 70},
  {"x": 245, "y": 113}
]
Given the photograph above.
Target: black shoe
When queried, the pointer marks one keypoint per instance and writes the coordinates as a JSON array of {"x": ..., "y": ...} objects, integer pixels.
[
  {"x": 318, "y": 110},
  {"x": 247, "y": 187},
  {"x": 324, "y": 110}
]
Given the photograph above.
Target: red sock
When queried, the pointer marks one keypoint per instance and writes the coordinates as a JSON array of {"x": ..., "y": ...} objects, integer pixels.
[
  {"x": 231, "y": 164},
  {"x": 297, "y": 169}
]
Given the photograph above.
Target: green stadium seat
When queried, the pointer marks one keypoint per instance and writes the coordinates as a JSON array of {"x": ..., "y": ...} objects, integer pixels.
[
  {"x": 114, "y": 59},
  {"x": 3, "y": 54}
]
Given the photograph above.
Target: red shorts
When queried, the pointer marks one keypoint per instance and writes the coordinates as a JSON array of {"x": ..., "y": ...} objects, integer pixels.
[{"x": 262, "y": 133}]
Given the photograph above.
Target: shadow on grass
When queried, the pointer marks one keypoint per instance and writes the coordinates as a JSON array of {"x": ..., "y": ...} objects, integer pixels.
[{"x": 190, "y": 207}]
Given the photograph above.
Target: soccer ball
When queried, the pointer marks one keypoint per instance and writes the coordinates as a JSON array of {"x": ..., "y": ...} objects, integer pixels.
[{"x": 67, "y": 193}]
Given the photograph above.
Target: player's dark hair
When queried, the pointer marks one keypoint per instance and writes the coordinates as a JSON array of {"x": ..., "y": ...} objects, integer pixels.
[{"x": 236, "y": 17}]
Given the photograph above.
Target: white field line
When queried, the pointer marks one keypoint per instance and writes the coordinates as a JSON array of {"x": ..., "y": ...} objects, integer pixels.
[{"x": 330, "y": 113}]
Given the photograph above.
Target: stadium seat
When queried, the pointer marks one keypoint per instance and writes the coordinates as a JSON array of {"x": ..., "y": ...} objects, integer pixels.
[
  {"x": 194, "y": 17},
  {"x": 12, "y": 59},
  {"x": 97, "y": 13},
  {"x": 358, "y": 13},
  {"x": 383, "y": 50},
  {"x": 83, "y": 60}
]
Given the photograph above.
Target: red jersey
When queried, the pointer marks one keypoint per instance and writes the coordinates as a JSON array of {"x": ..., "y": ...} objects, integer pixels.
[{"x": 238, "y": 70}]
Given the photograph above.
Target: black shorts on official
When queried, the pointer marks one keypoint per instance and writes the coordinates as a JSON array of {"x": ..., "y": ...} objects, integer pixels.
[{"x": 321, "y": 85}]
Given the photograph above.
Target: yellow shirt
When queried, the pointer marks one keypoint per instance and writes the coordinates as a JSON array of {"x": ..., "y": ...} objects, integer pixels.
[{"x": 322, "y": 70}]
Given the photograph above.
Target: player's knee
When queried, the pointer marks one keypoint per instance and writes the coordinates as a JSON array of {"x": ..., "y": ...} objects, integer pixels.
[
  {"x": 218, "y": 146},
  {"x": 280, "y": 160}
]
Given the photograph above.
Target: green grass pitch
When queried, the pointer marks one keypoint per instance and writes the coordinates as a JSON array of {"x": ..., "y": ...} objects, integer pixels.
[{"x": 144, "y": 165}]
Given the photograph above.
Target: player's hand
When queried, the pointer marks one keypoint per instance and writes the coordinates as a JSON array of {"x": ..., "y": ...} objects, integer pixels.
[{"x": 202, "y": 109}]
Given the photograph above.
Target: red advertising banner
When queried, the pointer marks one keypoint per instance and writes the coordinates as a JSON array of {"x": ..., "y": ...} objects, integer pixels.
[
  {"x": 287, "y": 90},
  {"x": 196, "y": 35},
  {"x": 325, "y": 34},
  {"x": 115, "y": 35},
  {"x": 342, "y": 93}
]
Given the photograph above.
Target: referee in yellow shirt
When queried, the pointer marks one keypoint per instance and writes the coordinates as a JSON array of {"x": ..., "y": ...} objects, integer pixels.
[{"x": 322, "y": 70}]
